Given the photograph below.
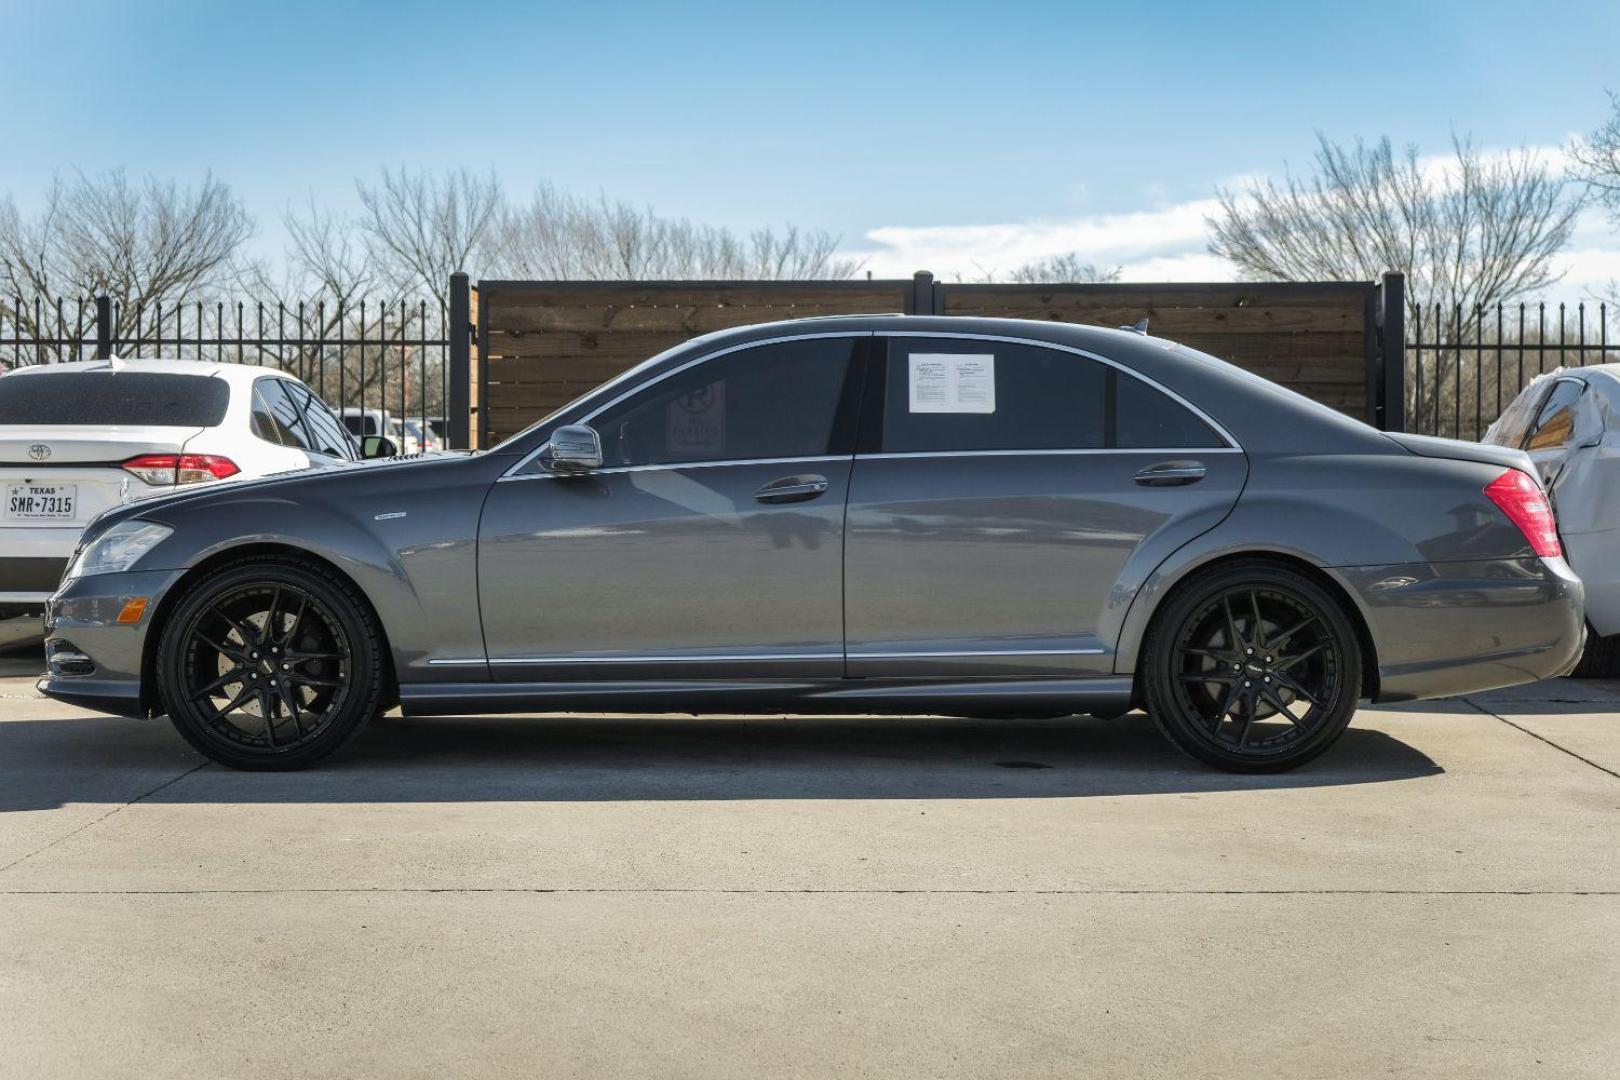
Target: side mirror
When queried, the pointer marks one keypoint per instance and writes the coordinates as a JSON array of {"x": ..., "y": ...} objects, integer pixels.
[
  {"x": 574, "y": 448},
  {"x": 377, "y": 446}
]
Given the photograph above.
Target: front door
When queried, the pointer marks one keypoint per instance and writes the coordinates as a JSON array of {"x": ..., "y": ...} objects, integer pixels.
[
  {"x": 710, "y": 543},
  {"x": 1014, "y": 499}
]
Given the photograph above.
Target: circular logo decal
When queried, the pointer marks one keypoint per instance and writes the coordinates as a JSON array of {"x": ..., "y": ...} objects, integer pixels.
[{"x": 39, "y": 451}]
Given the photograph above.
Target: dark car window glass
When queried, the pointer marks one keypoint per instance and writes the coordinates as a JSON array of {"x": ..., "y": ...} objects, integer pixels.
[
  {"x": 1555, "y": 422},
  {"x": 113, "y": 397},
  {"x": 945, "y": 394},
  {"x": 360, "y": 425},
  {"x": 263, "y": 423},
  {"x": 289, "y": 426},
  {"x": 771, "y": 401},
  {"x": 327, "y": 436},
  {"x": 1148, "y": 419}
]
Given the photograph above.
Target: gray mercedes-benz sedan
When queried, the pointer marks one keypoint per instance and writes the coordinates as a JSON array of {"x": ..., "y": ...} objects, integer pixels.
[{"x": 871, "y": 514}]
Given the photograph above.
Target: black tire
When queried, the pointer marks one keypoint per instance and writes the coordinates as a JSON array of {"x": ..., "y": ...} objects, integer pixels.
[
  {"x": 1600, "y": 659},
  {"x": 1247, "y": 702},
  {"x": 311, "y": 663}
]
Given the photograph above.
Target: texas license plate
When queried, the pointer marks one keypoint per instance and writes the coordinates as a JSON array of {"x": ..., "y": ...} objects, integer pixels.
[{"x": 36, "y": 501}]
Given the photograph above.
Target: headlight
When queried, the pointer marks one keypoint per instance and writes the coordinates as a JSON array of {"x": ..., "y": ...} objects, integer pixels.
[{"x": 118, "y": 549}]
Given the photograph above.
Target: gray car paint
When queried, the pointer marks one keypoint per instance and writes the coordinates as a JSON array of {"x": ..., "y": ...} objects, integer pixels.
[{"x": 1450, "y": 595}]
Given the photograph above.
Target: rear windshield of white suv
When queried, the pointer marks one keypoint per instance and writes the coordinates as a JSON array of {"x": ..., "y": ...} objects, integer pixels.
[{"x": 127, "y": 398}]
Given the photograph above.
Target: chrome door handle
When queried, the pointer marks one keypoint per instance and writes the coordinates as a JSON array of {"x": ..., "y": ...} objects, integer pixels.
[
  {"x": 792, "y": 489},
  {"x": 1171, "y": 474}
]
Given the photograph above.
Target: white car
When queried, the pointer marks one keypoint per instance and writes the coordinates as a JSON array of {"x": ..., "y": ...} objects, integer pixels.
[
  {"x": 77, "y": 438},
  {"x": 364, "y": 422},
  {"x": 1568, "y": 420}
]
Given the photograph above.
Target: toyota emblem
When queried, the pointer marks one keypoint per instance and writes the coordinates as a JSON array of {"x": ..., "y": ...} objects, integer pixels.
[{"x": 39, "y": 451}]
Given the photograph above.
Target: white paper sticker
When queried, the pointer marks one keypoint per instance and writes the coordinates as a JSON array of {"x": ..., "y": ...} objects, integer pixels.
[{"x": 953, "y": 382}]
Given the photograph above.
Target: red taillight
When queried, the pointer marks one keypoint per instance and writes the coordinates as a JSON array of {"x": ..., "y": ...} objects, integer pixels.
[
  {"x": 1523, "y": 501},
  {"x": 180, "y": 468}
]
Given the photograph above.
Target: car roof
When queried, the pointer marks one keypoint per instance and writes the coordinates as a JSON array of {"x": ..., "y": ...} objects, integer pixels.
[{"x": 234, "y": 374}]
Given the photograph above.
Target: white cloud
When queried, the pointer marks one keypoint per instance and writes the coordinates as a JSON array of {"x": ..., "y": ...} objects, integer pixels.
[{"x": 1168, "y": 242}]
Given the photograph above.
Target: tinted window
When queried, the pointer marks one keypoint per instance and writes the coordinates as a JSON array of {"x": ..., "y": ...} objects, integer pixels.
[
  {"x": 113, "y": 397},
  {"x": 781, "y": 400},
  {"x": 1148, "y": 419},
  {"x": 360, "y": 425},
  {"x": 987, "y": 395},
  {"x": 283, "y": 414},
  {"x": 1555, "y": 422},
  {"x": 326, "y": 434}
]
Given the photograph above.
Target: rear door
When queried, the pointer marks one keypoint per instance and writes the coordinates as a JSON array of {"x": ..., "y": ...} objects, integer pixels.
[{"x": 1007, "y": 505}]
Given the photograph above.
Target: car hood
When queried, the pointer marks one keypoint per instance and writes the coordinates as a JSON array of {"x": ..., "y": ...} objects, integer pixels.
[{"x": 284, "y": 482}]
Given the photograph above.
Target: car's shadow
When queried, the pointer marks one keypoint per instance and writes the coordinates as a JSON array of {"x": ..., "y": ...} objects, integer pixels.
[{"x": 612, "y": 758}]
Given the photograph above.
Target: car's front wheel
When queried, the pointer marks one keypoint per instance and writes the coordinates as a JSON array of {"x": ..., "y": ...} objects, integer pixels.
[
  {"x": 1252, "y": 667},
  {"x": 271, "y": 665}
]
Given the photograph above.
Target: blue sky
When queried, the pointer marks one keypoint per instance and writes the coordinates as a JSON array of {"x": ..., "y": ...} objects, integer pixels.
[{"x": 867, "y": 119}]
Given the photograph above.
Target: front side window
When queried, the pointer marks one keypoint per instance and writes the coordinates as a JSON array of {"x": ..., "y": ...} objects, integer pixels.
[
  {"x": 958, "y": 394},
  {"x": 782, "y": 400},
  {"x": 1555, "y": 421}
]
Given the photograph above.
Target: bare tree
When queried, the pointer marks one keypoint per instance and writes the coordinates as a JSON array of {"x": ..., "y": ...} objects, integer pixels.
[
  {"x": 138, "y": 243},
  {"x": 419, "y": 228},
  {"x": 1469, "y": 232},
  {"x": 557, "y": 235},
  {"x": 1597, "y": 160},
  {"x": 1063, "y": 269}
]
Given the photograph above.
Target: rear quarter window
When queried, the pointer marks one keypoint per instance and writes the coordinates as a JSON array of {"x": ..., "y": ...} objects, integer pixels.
[{"x": 122, "y": 398}]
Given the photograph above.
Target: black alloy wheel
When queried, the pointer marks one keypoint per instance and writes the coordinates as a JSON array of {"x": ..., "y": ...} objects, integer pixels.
[
  {"x": 1253, "y": 667},
  {"x": 270, "y": 665}
]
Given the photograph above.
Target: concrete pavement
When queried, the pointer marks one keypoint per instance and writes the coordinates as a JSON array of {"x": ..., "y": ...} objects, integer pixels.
[{"x": 718, "y": 897}]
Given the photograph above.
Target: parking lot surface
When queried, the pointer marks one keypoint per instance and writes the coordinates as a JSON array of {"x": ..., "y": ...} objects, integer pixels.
[{"x": 718, "y": 897}]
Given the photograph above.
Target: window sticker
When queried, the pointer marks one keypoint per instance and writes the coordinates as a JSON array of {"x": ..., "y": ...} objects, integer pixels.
[
  {"x": 696, "y": 422},
  {"x": 953, "y": 382}
]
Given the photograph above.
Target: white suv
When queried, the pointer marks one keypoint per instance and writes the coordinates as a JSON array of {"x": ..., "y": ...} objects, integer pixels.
[{"x": 77, "y": 438}]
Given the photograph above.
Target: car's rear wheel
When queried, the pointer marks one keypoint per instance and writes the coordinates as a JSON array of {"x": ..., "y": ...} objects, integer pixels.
[
  {"x": 1252, "y": 667},
  {"x": 271, "y": 665}
]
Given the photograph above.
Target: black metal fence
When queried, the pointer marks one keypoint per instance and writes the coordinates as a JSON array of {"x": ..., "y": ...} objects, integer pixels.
[
  {"x": 1464, "y": 366},
  {"x": 388, "y": 355}
]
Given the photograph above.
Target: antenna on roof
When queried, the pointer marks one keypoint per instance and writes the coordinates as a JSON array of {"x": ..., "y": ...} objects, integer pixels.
[{"x": 1138, "y": 327}]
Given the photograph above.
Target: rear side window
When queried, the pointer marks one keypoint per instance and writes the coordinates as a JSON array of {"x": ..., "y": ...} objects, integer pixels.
[
  {"x": 948, "y": 394},
  {"x": 127, "y": 398},
  {"x": 963, "y": 395},
  {"x": 281, "y": 414},
  {"x": 1149, "y": 419},
  {"x": 328, "y": 435}
]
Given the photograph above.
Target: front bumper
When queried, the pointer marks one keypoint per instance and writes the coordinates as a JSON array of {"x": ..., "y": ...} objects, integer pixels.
[
  {"x": 81, "y": 620},
  {"x": 1461, "y": 627}
]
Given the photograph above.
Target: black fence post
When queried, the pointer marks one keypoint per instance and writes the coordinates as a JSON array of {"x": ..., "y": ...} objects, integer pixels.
[
  {"x": 104, "y": 328},
  {"x": 458, "y": 334},
  {"x": 1392, "y": 352},
  {"x": 920, "y": 297}
]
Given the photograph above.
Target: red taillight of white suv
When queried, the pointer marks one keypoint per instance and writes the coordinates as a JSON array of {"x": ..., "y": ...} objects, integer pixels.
[
  {"x": 180, "y": 468},
  {"x": 1526, "y": 505}
]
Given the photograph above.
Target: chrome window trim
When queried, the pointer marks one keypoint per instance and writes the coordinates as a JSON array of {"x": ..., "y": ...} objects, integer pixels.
[
  {"x": 617, "y": 469},
  {"x": 654, "y": 381},
  {"x": 1182, "y": 451},
  {"x": 1231, "y": 442}
]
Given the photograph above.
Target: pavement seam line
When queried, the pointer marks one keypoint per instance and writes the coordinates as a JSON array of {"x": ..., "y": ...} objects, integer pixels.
[
  {"x": 1536, "y": 735},
  {"x": 97, "y": 821},
  {"x": 808, "y": 892}
]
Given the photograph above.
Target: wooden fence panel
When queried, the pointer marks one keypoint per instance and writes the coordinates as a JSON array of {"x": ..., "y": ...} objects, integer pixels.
[{"x": 542, "y": 344}]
